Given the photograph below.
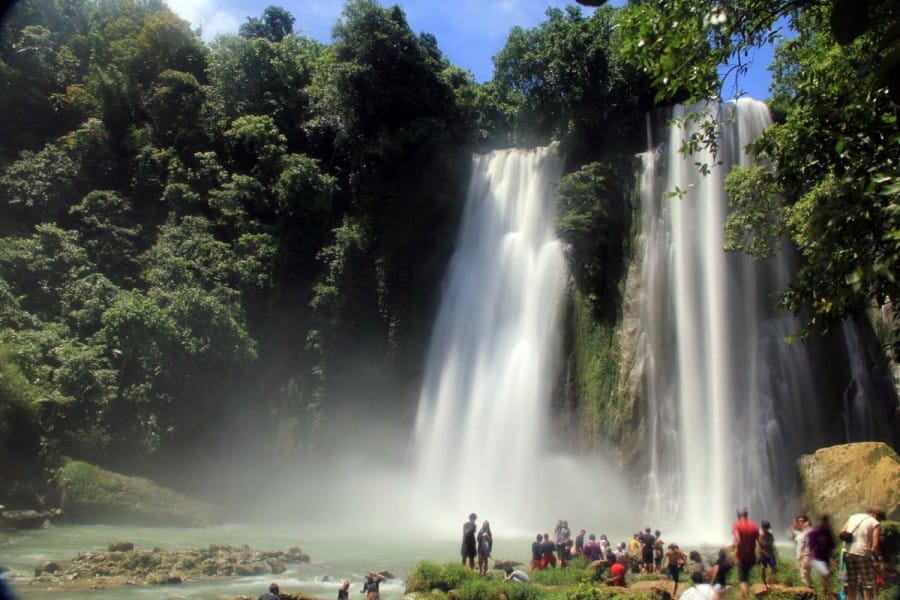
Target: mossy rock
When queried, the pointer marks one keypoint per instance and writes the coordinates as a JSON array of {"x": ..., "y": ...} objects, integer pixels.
[
  {"x": 94, "y": 495},
  {"x": 849, "y": 478}
]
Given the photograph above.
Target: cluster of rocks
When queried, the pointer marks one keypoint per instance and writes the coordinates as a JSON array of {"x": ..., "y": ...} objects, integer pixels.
[
  {"x": 123, "y": 563},
  {"x": 28, "y": 518}
]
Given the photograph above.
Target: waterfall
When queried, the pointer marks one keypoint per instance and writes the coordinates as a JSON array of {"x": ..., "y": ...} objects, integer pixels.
[
  {"x": 730, "y": 405},
  {"x": 482, "y": 421}
]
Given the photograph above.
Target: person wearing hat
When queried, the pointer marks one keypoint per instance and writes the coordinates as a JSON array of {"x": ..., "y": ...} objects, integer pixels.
[{"x": 272, "y": 594}]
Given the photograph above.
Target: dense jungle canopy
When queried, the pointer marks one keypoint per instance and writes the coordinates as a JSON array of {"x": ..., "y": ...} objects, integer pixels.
[{"x": 229, "y": 245}]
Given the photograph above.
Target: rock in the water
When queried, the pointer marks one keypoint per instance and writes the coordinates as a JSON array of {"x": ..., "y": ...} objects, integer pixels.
[
  {"x": 50, "y": 567},
  {"x": 849, "y": 478},
  {"x": 27, "y": 519},
  {"x": 120, "y": 546}
]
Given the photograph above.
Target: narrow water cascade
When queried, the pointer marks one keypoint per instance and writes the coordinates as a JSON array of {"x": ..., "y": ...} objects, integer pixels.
[
  {"x": 482, "y": 420},
  {"x": 729, "y": 403}
]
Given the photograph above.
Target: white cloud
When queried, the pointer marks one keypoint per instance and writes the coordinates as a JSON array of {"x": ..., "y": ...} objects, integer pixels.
[{"x": 210, "y": 16}]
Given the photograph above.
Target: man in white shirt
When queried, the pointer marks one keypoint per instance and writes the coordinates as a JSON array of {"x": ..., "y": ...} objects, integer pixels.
[
  {"x": 700, "y": 590},
  {"x": 862, "y": 551}
]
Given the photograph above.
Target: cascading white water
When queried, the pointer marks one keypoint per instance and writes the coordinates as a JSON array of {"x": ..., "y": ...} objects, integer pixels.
[
  {"x": 482, "y": 418},
  {"x": 730, "y": 405}
]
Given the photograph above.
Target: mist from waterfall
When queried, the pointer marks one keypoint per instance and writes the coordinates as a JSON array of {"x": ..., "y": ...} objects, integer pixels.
[{"x": 729, "y": 404}]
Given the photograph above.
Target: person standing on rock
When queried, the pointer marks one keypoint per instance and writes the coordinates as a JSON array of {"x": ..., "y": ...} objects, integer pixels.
[
  {"x": 766, "y": 549},
  {"x": 861, "y": 535},
  {"x": 272, "y": 594},
  {"x": 798, "y": 532},
  {"x": 746, "y": 533},
  {"x": 469, "y": 548}
]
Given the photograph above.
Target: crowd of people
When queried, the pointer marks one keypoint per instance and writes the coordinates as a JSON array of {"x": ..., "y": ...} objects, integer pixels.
[{"x": 752, "y": 545}]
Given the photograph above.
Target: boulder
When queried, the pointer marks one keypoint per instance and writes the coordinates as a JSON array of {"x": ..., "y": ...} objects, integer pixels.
[
  {"x": 94, "y": 495},
  {"x": 503, "y": 564},
  {"x": 849, "y": 478},
  {"x": 120, "y": 546}
]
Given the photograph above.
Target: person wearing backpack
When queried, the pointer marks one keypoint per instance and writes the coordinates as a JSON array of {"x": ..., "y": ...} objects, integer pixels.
[{"x": 861, "y": 537}]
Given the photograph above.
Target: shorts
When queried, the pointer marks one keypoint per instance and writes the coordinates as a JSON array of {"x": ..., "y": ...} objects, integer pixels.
[
  {"x": 820, "y": 567},
  {"x": 743, "y": 568},
  {"x": 860, "y": 571},
  {"x": 767, "y": 561}
]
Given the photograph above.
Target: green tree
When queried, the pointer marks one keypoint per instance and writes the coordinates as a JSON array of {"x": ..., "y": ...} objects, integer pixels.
[
  {"x": 698, "y": 50},
  {"x": 258, "y": 76},
  {"x": 108, "y": 232},
  {"x": 569, "y": 82},
  {"x": 594, "y": 216},
  {"x": 40, "y": 186},
  {"x": 275, "y": 24},
  {"x": 836, "y": 190}
]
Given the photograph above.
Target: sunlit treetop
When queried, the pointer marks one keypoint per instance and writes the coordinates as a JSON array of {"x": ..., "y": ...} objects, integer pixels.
[{"x": 698, "y": 49}]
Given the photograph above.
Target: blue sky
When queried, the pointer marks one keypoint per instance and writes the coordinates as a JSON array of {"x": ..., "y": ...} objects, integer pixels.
[{"x": 469, "y": 32}]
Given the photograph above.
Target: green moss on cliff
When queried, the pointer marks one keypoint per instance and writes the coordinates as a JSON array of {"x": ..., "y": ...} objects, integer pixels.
[
  {"x": 595, "y": 365},
  {"x": 92, "y": 494},
  {"x": 597, "y": 219}
]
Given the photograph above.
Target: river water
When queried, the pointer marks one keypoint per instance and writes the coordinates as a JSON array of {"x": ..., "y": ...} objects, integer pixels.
[{"x": 333, "y": 557}]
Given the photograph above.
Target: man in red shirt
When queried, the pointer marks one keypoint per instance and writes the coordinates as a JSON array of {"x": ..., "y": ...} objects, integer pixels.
[
  {"x": 616, "y": 575},
  {"x": 745, "y": 534}
]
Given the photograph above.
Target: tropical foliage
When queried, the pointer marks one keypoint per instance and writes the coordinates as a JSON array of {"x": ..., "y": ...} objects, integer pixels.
[{"x": 204, "y": 241}]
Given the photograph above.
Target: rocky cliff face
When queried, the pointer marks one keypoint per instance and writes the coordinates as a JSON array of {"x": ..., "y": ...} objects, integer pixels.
[{"x": 849, "y": 478}]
